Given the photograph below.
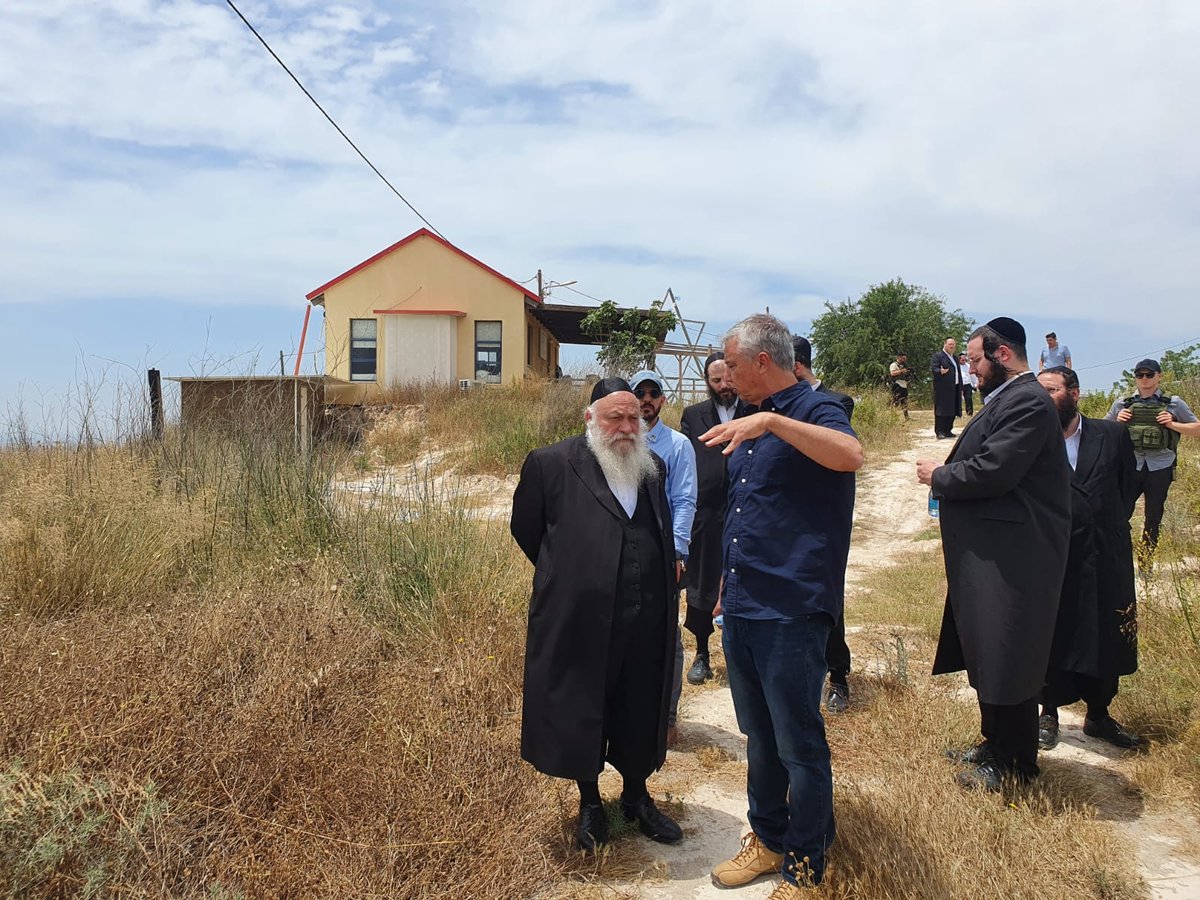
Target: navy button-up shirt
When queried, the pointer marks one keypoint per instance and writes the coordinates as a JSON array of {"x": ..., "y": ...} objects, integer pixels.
[{"x": 787, "y": 526}]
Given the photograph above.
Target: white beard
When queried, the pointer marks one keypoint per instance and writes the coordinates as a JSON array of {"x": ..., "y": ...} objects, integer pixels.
[{"x": 626, "y": 469}]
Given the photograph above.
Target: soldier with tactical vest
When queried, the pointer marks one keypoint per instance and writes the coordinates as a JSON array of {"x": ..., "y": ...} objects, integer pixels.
[{"x": 1155, "y": 421}]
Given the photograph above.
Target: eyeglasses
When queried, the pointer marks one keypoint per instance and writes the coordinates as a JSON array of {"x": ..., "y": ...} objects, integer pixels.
[
  {"x": 654, "y": 393},
  {"x": 1144, "y": 374}
]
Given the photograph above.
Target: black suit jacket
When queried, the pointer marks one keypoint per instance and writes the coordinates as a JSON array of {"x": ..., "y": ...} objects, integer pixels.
[
  {"x": 1096, "y": 633},
  {"x": 712, "y": 489},
  {"x": 1005, "y": 494},
  {"x": 570, "y": 526},
  {"x": 947, "y": 389}
]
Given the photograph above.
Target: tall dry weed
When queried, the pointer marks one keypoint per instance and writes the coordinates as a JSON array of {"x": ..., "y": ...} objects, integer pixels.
[{"x": 76, "y": 533}]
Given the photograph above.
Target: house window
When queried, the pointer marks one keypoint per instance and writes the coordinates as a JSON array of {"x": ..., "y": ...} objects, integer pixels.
[
  {"x": 529, "y": 346},
  {"x": 487, "y": 352},
  {"x": 363, "y": 349}
]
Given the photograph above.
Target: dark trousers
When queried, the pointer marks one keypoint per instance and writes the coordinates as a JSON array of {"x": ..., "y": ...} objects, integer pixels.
[
  {"x": 632, "y": 702},
  {"x": 1011, "y": 732},
  {"x": 1065, "y": 688},
  {"x": 837, "y": 652},
  {"x": 968, "y": 399},
  {"x": 700, "y": 623},
  {"x": 776, "y": 674},
  {"x": 900, "y": 398},
  {"x": 943, "y": 425},
  {"x": 1154, "y": 485}
]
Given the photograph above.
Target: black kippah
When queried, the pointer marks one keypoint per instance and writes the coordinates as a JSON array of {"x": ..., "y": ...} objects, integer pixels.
[
  {"x": 606, "y": 386},
  {"x": 1009, "y": 329},
  {"x": 712, "y": 358}
]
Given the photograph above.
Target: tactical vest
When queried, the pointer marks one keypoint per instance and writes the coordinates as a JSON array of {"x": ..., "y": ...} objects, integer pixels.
[{"x": 1144, "y": 430}]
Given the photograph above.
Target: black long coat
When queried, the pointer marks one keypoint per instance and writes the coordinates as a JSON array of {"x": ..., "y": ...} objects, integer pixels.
[
  {"x": 712, "y": 491},
  {"x": 1006, "y": 523},
  {"x": 947, "y": 389},
  {"x": 570, "y": 526},
  {"x": 1096, "y": 633},
  {"x": 845, "y": 399}
]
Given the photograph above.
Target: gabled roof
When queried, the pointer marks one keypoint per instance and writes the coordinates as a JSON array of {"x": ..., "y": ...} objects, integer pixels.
[{"x": 421, "y": 232}]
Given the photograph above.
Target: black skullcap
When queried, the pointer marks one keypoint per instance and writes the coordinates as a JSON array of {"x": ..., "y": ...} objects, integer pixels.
[
  {"x": 1009, "y": 329},
  {"x": 606, "y": 386},
  {"x": 802, "y": 350},
  {"x": 712, "y": 358}
]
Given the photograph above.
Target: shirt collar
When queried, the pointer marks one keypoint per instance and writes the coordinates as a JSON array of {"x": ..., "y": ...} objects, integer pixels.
[
  {"x": 658, "y": 431},
  {"x": 785, "y": 397},
  {"x": 996, "y": 393}
]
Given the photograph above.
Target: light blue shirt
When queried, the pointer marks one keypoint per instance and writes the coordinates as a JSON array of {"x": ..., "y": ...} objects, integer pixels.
[
  {"x": 680, "y": 456},
  {"x": 1056, "y": 357}
]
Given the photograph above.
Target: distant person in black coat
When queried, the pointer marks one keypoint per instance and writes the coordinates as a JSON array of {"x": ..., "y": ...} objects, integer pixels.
[
  {"x": 1005, "y": 495},
  {"x": 712, "y": 488},
  {"x": 1095, "y": 638},
  {"x": 947, "y": 389},
  {"x": 837, "y": 651},
  {"x": 591, "y": 514}
]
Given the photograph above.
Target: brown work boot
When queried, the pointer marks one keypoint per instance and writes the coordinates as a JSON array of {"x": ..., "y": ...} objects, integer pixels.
[{"x": 752, "y": 861}]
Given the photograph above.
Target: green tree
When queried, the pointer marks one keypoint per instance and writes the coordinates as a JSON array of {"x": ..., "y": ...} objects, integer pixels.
[
  {"x": 855, "y": 341},
  {"x": 631, "y": 336}
]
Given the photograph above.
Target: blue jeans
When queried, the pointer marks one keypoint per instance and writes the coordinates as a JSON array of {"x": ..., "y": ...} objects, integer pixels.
[{"x": 776, "y": 673}]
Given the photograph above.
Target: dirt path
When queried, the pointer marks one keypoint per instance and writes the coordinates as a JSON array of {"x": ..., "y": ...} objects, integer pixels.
[{"x": 707, "y": 771}]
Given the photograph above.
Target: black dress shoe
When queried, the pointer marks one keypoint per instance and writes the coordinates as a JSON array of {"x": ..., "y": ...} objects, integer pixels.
[
  {"x": 987, "y": 776},
  {"x": 700, "y": 671},
  {"x": 1047, "y": 732},
  {"x": 1108, "y": 729},
  {"x": 593, "y": 827},
  {"x": 651, "y": 822},
  {"x": 972, "y": 756},
  {"x": 837, "y": 700}
]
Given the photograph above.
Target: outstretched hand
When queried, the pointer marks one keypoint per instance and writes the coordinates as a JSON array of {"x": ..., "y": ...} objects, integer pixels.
[{"x": 746, "y": 428}]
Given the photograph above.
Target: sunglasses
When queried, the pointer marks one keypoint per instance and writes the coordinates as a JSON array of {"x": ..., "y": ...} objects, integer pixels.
[
  {"x": 653, "y": 393},
  {"x": 1144, "y": 374}
]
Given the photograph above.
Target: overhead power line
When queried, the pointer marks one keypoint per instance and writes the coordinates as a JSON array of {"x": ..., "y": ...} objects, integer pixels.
[
  {"x": 1136, "y": 356},
  {"x": 329, "y": 118}
]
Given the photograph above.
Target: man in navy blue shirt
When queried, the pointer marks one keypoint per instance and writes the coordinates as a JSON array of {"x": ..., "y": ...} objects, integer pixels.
[{"x": 787, "y": 536}]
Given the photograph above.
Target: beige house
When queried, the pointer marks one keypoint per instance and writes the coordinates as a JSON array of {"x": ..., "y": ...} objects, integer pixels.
[{"x": 425, "y": 311}]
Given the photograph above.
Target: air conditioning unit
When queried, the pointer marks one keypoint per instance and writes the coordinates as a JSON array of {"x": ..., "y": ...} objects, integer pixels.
[{"x": 465, "y": 384}]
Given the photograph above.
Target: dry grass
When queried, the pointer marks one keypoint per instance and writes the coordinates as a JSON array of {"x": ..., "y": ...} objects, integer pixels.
[
  {"x": 912, "y": 594},
  {"x": 218, "y": 683},
  {"x": 879, "y": 425}
]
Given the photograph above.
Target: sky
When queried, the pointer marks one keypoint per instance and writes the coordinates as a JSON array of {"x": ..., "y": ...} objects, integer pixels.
[{"x": 168, "y": 195}]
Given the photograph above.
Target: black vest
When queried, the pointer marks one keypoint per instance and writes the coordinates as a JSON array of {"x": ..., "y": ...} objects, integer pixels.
[{"x": 640, "y": 589}]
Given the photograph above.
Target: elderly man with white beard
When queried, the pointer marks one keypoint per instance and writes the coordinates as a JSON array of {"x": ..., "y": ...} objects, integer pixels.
[{"x": 592, "y": 516}]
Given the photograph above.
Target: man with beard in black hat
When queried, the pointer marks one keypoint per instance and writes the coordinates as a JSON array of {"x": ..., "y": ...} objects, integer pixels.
[
  {"x": 592, "y": 516},
  {"x": 712, "y": 488},
  {"x": 1095, "y": 639},
  {"x": 1005, "y": 495}
]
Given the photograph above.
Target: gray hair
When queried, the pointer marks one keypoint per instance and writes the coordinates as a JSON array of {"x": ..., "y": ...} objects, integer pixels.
[{"x": 763, "y": 333}]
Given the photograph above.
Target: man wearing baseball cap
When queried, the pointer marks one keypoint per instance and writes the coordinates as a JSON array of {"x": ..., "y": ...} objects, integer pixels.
[
  {"x": 677, "y": 452},
  {"x": 1155, "y": 421}
]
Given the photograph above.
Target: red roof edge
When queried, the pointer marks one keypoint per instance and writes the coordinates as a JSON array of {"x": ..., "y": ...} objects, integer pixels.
[{"x": 420, "y": 232}]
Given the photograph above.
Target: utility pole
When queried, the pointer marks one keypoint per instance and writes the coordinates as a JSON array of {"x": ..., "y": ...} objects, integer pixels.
[{"x": 541, "y": 290}]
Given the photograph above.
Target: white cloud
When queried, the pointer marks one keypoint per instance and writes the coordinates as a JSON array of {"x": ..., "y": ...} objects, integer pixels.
[{"x": 1010, "y": 156}]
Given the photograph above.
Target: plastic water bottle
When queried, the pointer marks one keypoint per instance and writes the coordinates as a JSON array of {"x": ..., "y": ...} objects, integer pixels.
[
  {"x": 933, "y": 505},
  {"x": 719, "y": 621}
]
